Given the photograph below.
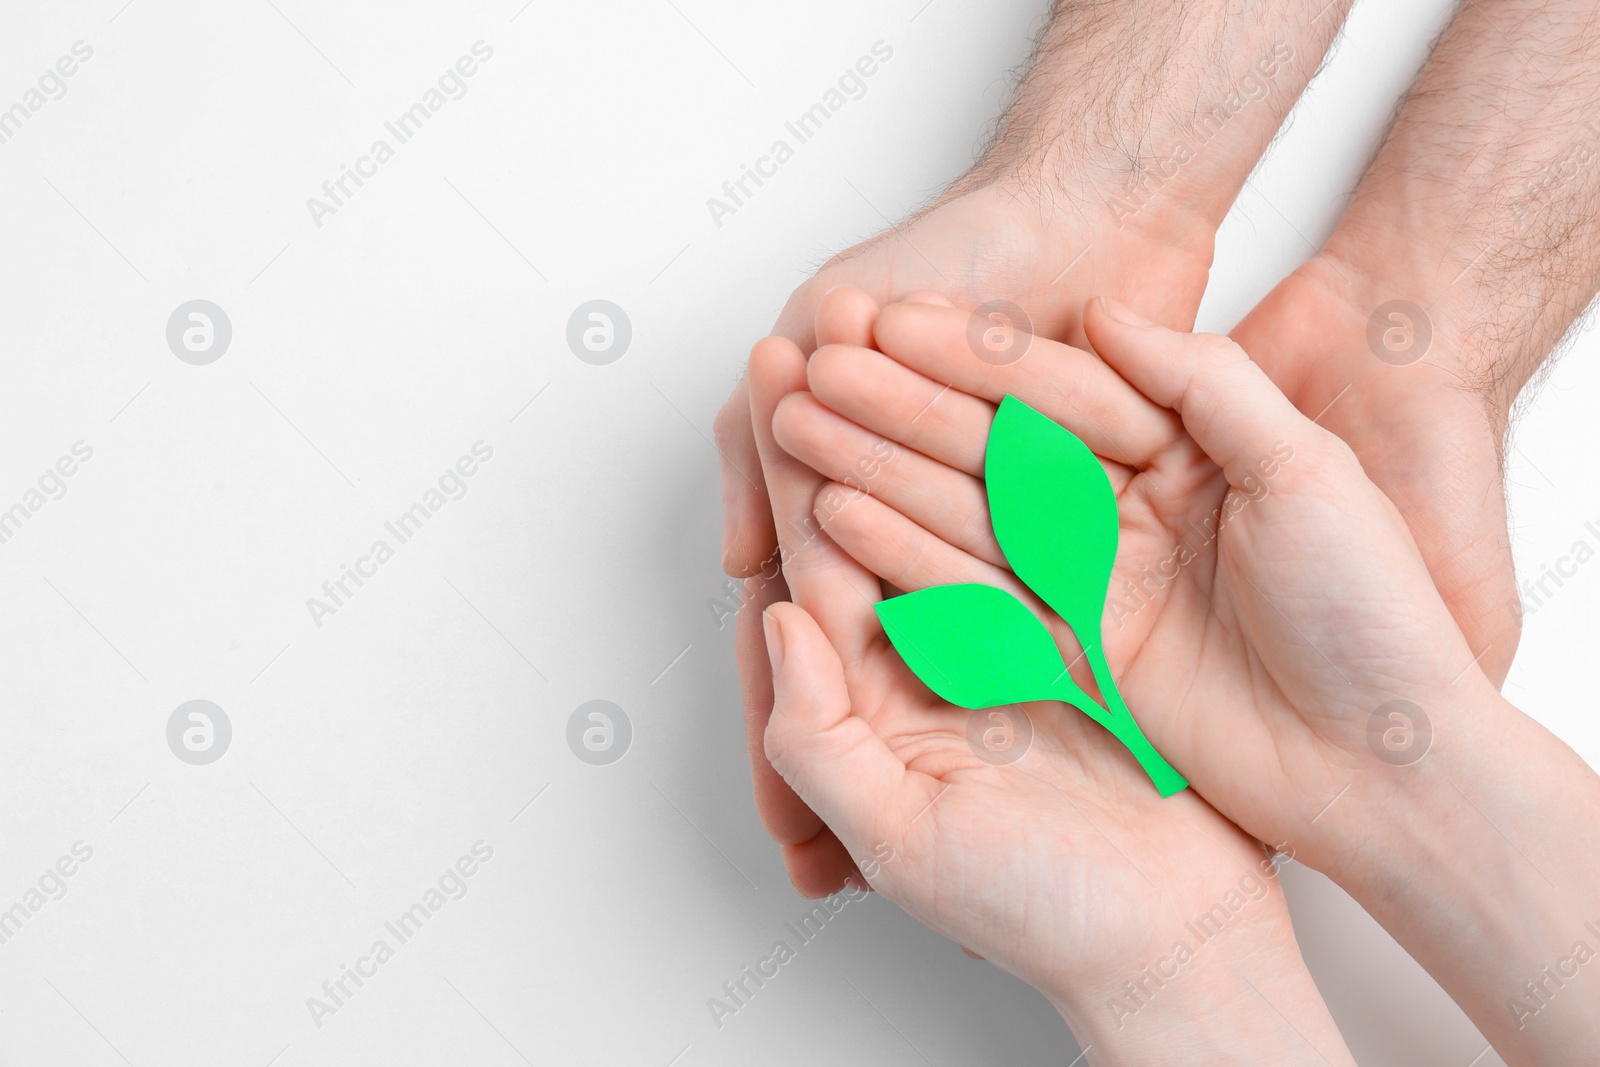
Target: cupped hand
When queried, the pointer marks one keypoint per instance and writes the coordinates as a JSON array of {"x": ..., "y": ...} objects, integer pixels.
[
  {"x": 1051, "y": 856},
  {"x": 996, "y": 242},
  {"x": 1268, "y": 601}
]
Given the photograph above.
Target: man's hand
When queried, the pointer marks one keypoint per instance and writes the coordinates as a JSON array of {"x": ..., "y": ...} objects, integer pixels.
[
  {"x": 1093, "y": 185},
  {"x": 1469, "y": 248},
  {"x": 1431, "y": 444}
]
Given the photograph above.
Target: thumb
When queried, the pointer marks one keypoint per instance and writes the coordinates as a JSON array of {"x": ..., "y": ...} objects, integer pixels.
[
  {"x": 1229, "y": 406},
  {"x": 843, "y": 770}
]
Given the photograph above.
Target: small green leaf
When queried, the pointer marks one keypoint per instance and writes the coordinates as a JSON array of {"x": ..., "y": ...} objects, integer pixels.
[
  {"x": 1054, "y": 513},
  {"x": 974, "y": 645}
]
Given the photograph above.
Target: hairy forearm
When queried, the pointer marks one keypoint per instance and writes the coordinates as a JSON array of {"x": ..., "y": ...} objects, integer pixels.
[
  {"x": 1131, "y": 109},
  {"x": 1481, "y": 204}
]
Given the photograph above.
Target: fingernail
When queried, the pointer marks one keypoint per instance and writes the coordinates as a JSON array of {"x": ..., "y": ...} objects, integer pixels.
[
  {"x": 774, "y": 632},
  {"x": 1124, "y": 314}
]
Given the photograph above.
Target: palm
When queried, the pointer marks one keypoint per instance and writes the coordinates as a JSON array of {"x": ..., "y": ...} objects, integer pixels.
[
  {"x": 988, "y": 244},
  {"x": 1012, "y": 858},
  {"x": 1267, "y": 641},
  {"x": 1071, "y": 824},
  {"x": 1248, "y": 657}
]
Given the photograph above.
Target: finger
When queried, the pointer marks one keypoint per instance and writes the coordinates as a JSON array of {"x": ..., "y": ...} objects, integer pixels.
[
  {"x": 947, "y": 503},
  {"x": 906, "y": 407},
  {"x": 821, "y": 866},
  {"x": 1069, "y": 385},
  {"x": 1228, "y": 404},
  {"x": 904, "y": 554},
  {"x": 821, "y": 578},
  {"x": 844, "y": 317},
  {"x": 831, "y": 757},
  {"x": 910, "y": 558},
  {"x": 891, "y": 399},
  {"x": 748, "y": 537},
  {"x": 887, "y": 397},
  {"x": 782, "y": 812}
]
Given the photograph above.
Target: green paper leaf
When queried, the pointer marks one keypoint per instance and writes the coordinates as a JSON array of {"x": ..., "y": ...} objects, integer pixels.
[
  {"x": 1054, "y": 513},
  {"x": 1055, "y": 516},
  {"x": 974, "y": 645}
]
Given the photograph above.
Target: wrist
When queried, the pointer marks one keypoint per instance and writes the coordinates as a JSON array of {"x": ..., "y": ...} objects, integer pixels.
[
  {"x": 1388, "y": 351},
  {"x": 1167, "y": 150},
  {"x": 1224, "y": 1003},
  {"x": 1481, "y": 860},
  {"x": 1413, "y": 304}
]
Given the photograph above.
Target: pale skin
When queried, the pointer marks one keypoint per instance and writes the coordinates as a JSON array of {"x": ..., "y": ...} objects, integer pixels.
[
  {"x": 1065, "y": 868},
  {"x": 1034, "y": 223},
  {"x": 1257, "y": 664},
  {"x": 1446, "y": 218}
]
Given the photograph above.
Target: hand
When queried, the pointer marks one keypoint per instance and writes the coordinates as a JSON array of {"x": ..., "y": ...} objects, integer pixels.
[
  {"x": 1422, "y": 433},
  {"x": 1268, "y": 599},
  {"x": 1089, "y": 186},
  {"x": 995, "y": 242},
  {"x": 1062, "y": 866}
]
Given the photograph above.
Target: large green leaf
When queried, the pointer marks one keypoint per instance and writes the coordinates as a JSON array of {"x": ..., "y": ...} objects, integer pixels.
[
  {"x": 1054, "y": 513},
  {"x": 1055, "y": 516},
  {"x": 974, "y": 645}
]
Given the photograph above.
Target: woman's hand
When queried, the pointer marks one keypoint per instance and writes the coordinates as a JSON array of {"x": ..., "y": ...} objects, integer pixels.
[
  {"x": 1268, "y": 606},
  {"x": 1275, "y": 630},
  {"x": 1154, "y": 925},
  {"x": 991, "y": 242}
]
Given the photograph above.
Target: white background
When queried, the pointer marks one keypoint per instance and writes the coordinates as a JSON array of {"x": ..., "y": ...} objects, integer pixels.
[{"x": 372, "y": 351}]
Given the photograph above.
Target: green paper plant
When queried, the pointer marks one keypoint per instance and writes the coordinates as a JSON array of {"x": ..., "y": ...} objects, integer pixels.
[{"x": 1055, "y": 516}]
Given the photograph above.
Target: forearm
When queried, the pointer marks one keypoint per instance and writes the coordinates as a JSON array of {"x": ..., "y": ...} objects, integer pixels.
[
  {"x": 1483, "y": 861},
  {"x": 1141, "y": 111},
  {"x": 1481, "y": 204}
]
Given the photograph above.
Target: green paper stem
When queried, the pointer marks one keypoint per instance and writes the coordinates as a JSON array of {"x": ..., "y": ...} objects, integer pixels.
[
  {"x": 1055, "y": 516},
  {"x": 1125, "y": 728}
]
